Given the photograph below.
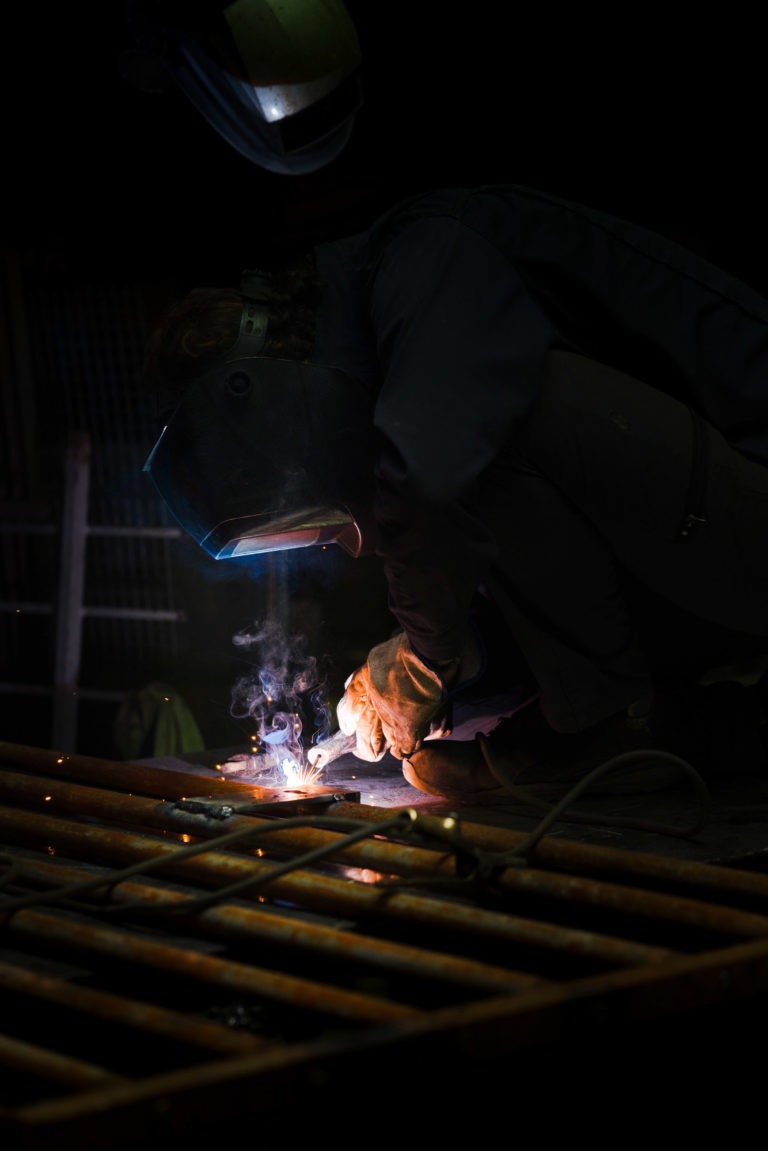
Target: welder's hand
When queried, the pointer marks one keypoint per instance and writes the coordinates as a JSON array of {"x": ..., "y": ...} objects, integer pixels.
[{"x": 390, "y": 702}]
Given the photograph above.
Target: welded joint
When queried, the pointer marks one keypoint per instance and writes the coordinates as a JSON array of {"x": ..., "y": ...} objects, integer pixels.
[
  {"x": 298, "y": 803},
  {"x": 211, "y": 809},
  {"x": 214, "y": 809}
]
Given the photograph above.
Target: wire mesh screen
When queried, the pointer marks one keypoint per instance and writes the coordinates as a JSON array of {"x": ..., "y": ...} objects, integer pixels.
[
  {"x": 93, "y": 360},
  {"x": 72, "y": 359}
]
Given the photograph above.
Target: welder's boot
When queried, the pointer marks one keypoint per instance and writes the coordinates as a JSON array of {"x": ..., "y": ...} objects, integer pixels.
[
  {"x": 525, "y": 754},
  {"x": 718, "y": 731},
  {"x": 455, "y": 770}
]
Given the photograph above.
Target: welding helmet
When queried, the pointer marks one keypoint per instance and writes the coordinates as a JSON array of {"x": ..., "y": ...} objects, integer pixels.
[
  {"x": 266, "y": 454},
  {"x": 279, "y": 80}
]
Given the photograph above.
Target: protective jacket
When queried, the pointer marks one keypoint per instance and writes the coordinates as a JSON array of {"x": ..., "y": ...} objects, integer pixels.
[{"x": 447, "y": 307}]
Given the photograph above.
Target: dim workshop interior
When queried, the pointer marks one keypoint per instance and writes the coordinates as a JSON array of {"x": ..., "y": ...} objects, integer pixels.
[{"x": 200, "y": 940}]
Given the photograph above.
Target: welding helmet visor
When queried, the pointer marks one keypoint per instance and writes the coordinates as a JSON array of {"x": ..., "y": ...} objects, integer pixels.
[
  {"x": 265, "y": 454},
  {"x": 280, "y": 82}
]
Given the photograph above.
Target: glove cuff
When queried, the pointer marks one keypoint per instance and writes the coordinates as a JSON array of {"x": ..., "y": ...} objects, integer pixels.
[{"x": 445, "y": 669}]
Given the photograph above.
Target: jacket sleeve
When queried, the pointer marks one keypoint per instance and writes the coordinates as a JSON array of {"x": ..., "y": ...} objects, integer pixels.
[{"x": 462, "y": 346}]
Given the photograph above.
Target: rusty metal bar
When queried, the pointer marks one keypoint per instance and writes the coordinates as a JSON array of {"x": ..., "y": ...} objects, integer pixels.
[
  {"x": 551, "y": 851},
  {"x": 123, "y": 828},
  {"x": 390, "y": 858},
  {"x": 269, "y": 925},
  {"x": 476, "y": 1036},
  {"x": 130, "y": 1012},
  {"x": 192, "y": 1093},
  {"x": 19, "y": 1056},
  {"x": 316, "y": 891},
  {"x": 127, "y": 777},
  {"x": 127, "y": 946},
  {"x": 570, "y": 855}
]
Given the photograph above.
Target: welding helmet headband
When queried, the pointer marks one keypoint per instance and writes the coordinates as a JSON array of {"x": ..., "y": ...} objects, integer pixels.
[{"x": 267, "y": 454}]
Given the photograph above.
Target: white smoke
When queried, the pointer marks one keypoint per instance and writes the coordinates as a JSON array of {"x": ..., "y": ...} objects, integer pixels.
[{"x": 285, "y": 696}]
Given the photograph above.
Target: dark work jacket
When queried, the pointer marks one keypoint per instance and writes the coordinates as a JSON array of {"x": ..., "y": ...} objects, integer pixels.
[{"x": 446, "y": 308}]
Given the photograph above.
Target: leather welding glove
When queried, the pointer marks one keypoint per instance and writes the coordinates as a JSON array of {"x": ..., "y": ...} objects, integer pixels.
[{"x": 391, "y": 701}]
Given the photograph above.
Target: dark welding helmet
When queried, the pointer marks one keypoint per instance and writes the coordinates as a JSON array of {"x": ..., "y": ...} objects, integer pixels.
[
  {"x": 279, "y": 80},
  {"x": 265, "y": 454}
]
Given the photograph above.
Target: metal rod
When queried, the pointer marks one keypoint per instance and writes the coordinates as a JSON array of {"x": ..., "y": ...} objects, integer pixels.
[
  {"x": 97, "y": 694},
  {"x": 117, "y": 774},
  {"x": 553, "y": 852},
  {"x": 280, "y": 928},
  {"x": 586, "y": 858},
  {"x": 130, "y": 1012},
  {"x": 133, "y": 613},
  {"x": 317, "y": 891},
  {"x": 97, "y": 612},
  {"x": 387, "y": 857},
  {"x": 310, "y": 995},
  {"x": 19, "y": 1056},
  {"x": 131, "y": 532}
]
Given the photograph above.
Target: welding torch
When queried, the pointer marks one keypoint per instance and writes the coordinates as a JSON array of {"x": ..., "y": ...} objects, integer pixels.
[{"x": 338, "y": 744}]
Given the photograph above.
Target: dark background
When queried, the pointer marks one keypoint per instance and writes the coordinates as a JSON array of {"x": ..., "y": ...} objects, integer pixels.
[
  {"x": 108, "y": 186},
  {"x": 661, "y": 122}
]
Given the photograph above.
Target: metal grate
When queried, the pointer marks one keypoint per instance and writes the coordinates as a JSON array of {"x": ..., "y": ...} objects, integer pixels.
[{"x": 181, "y": 953}]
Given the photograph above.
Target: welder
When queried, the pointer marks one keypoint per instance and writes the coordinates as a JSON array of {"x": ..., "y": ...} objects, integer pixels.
[{"x": 551, "y": 426}]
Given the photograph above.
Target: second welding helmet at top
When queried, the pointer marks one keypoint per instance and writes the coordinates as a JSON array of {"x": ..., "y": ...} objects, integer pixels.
[
  {"x": 279, "y": 80},
  {"x": 266, "y": 454}
]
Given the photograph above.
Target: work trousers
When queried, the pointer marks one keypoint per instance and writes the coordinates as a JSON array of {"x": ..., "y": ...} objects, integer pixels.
[{"x": 615, "y": 510}]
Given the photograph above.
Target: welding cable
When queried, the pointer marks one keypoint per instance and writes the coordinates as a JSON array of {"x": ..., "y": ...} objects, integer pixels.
[
  {"x": 398, "y": 823},
  {"x": 626, "y": 759},
  {"x": 362, "y": 829},
  {"x": 478, "y": 867},
  {"x": 561, "y": 811}
]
